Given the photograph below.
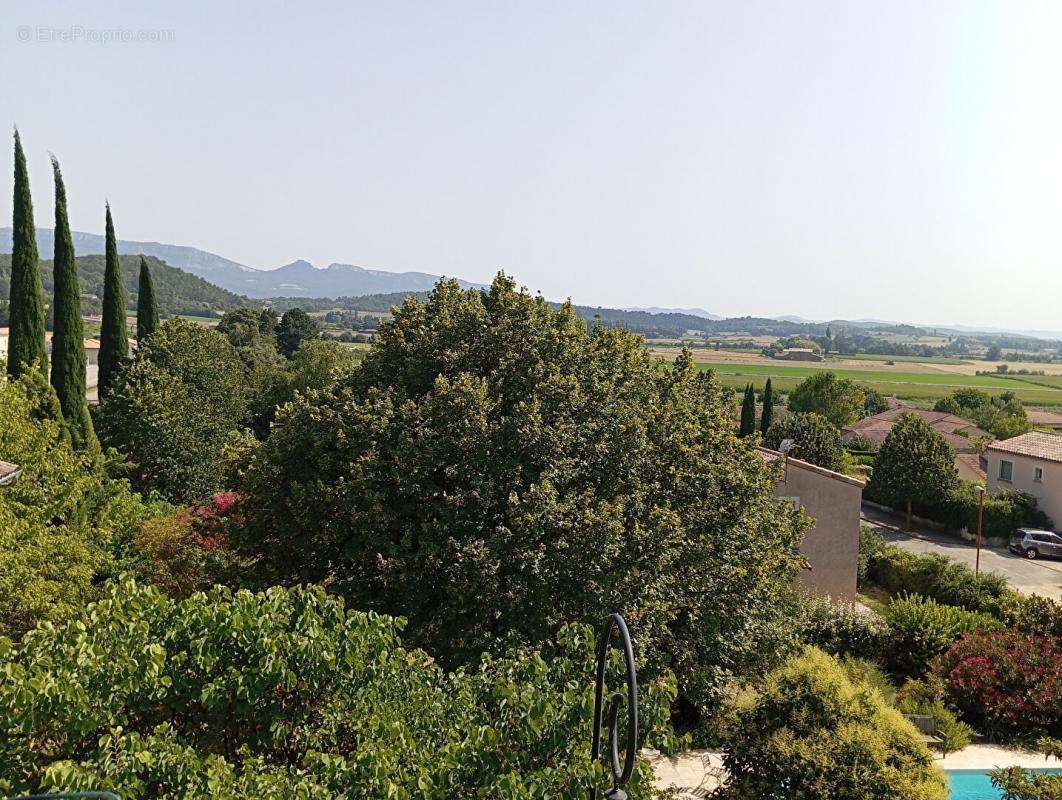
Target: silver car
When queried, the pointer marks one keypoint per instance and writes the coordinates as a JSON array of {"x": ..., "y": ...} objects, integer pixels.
[{"x": 1033, "y": 543}]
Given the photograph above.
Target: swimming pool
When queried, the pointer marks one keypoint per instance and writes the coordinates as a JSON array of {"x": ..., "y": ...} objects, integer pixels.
[{"x": 973, "y": 784}]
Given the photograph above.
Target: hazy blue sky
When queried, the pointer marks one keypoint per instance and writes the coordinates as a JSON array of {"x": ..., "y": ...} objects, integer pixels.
[{"x": 831, "y": 159}]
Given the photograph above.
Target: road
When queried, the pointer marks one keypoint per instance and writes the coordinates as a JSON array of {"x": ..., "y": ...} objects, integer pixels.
[{"x": 1029, "y": 577}]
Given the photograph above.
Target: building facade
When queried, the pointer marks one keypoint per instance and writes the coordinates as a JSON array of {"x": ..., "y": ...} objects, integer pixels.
[
  {"x": 833, "y": 501},
  {"x": 1031, "y": 463}
]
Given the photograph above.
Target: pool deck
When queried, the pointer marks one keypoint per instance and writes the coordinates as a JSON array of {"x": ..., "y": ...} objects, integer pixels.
[{"x": 694, "y": 774}]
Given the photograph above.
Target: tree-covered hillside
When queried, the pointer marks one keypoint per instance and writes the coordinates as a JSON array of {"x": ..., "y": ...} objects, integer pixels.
[{"x": 177, "y": 291}]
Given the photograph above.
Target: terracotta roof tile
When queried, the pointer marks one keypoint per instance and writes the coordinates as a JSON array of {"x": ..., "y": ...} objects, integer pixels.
[{"x": 1037, "y": 444}]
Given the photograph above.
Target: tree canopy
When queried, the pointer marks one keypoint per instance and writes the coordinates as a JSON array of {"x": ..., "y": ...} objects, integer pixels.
[
  {"x": 914, "y": 465},
  {"x": 838, "y": 399},
  {"x": 814, "y": 439},
  {"x": 173, "y": 409},
  {"x": 521, "y": 471},
  {"x": 286, "y": 694}
]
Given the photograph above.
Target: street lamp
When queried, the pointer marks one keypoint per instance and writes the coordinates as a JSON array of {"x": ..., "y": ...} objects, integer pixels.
[{"x": 980, "y": 525}]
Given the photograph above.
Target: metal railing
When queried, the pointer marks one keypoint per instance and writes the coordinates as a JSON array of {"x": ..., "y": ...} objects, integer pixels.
[{"x": 620, "y": 774}]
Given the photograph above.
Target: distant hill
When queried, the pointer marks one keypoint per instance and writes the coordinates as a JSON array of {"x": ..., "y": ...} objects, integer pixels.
[
  {"x": 298, "y": 279},
  {"x": 176, "y": 291},
  {"x": 692, "y": 312}
]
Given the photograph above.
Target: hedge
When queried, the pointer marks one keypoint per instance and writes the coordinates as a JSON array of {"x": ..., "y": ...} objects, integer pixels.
[{"x": 951, "y": 583}]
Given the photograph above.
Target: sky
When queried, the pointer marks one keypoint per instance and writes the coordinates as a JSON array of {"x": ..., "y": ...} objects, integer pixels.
[{"x": 898, "y": 160}]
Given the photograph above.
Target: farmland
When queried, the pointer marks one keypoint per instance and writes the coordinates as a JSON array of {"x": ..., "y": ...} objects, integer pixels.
[{"x": 924, "y": 386}]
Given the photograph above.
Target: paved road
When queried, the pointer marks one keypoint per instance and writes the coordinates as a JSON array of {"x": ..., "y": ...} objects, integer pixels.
[{"x": 1029, "y": 577}]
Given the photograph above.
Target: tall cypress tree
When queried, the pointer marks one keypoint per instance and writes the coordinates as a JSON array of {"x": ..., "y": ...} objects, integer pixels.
[
  {"x": 748, "y": 412},
  {"x": 147, "y": 311},
  {"x": 767, "y": 415},
  {"x": 25, "y": 344},
  {"x": 68, "y": 332},
  {"x": 114, "y": 338}
]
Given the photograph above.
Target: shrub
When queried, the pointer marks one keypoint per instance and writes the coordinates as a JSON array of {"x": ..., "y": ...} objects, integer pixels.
[
  {"x": 951, "y": 583},
  {"x": 870, "y": 544},
  {"x": 60, "y": 521},
  {"x": 1032, "y": 614},
  {"x": 809, "y": 731},
  {"x": 938, "y": 577},
  {"x": 1016, "y": 783},
  {"x": 496, "y": 468},
  {"x": 1006, "y": 682},
  {"x": 921, "y": 629},
  {"x": 927, "y": 697},
  {"x": 864, "y": 671},
  {"x": 186, "y": 552},
  {"x": 842, "y": 630},
  {"x": 858, "y": 443},
  {"x": 288, "y": 694}
]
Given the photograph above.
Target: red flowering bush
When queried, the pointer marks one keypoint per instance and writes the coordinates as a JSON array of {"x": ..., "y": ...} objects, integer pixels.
[
  {"x": 1006, "y": 681},
  {"x": 188, "y": 551}
]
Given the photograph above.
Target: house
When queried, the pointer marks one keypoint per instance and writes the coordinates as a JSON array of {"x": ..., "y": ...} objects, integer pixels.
[
  {"x": 833, "y": 501},
  {"x": 92, "y": 346},
  {"x": 1032, "y": 463},
  {"x": 960, "y": 433},
  {"x": 1041, "y": 419},
  {"x": 800, "y": 354}
]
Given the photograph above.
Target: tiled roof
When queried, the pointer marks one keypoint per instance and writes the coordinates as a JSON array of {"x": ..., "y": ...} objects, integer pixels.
[
  {"x": 1044, "y": 417},
  {"x": 8, "y": 472},
  {"x": 1036, "y": 444},
  {"x": 958, "y": 432}
]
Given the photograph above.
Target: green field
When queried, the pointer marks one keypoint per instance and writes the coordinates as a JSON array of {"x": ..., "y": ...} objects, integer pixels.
[
  {"x": 900, "y": 359},
  {"x": 906, "y": 385}
]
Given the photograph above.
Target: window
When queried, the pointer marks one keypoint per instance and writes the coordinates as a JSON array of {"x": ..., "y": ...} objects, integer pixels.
[
  {"x": 1038, "y": 474},
  {"x": 1006, "y": 471}
]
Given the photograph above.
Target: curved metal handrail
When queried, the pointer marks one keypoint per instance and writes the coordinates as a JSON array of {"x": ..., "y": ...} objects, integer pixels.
[{"x": 620, "y": 775}]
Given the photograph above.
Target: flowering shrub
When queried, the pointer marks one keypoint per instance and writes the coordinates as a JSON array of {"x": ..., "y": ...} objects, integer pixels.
[
  {"x": 1007, "y": 681},
  {"x": 188, "y": 551}
]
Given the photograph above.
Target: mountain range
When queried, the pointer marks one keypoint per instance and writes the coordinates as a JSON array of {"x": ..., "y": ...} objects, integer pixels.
[{"x": 297, "y": 279}]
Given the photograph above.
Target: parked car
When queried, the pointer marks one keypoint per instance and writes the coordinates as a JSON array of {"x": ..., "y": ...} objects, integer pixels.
[{"x": 1033, "y": 543}]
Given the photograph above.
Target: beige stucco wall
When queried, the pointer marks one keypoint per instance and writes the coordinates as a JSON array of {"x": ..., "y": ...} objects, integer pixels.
[
  {"x": 832, "y": 545},
  {"x": 1048, "y": 493}
]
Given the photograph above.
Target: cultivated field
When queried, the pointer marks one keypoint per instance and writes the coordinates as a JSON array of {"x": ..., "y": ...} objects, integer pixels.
[{"x": 921, "y": 381}]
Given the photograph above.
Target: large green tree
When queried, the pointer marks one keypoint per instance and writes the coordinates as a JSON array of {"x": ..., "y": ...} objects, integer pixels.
[
  {"x": 813, "y": 437},
  {"x": 26, "y": 345},
  {"x": 68, "y": 331},
  {"x": 748, "y": 412},
  {"x": 174, "y": 407},
  {"x": 840, "y": 400},
  {"x": 296, "y": 326},
  {"x": 147, "y": 310},
  {"x": 114, "y": 337},
  {"x": 494, "y": 468},
  {"x": 914, "y": 465},
  {"x": 767, "y": 414}
]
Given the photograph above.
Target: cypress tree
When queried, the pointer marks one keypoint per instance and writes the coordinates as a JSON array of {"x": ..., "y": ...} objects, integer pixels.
[
  {"x": 147, "y": 311},
  {"x": 25, "y": 344},
  {"x": 767, "y": 415},
  {"x": 114, "y": 339},
  {"x": 68, "y": 332},
  {"x": 748, "y": 412}
]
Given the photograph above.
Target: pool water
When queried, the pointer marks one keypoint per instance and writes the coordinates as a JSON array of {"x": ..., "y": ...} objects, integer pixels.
[{"x": 969, "y": 784}]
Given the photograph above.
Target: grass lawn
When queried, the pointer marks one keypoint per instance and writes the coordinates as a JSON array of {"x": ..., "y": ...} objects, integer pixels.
[{"x": 907, "y": 385}]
